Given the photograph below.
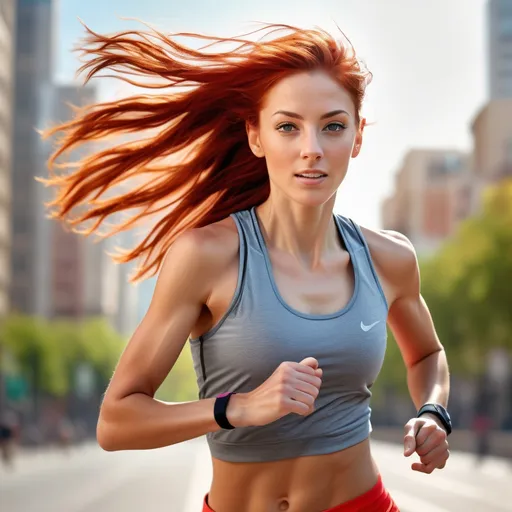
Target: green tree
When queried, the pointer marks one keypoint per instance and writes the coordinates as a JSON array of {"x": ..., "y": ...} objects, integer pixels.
[
  {"x": 48, "y": 352},
  {"x": 467, "y": 284},
  {"x": 467, "y": 287}
]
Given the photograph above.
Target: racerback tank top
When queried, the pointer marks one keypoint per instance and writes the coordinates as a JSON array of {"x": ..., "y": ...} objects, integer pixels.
[{"x": 260, "y": 330}]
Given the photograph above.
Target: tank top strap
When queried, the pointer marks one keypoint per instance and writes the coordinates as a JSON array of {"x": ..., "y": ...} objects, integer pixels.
[
  {"x": 361, "y": 250},
  {"x": 244, "y": 223},
  {"x": 252, "y": 269}
]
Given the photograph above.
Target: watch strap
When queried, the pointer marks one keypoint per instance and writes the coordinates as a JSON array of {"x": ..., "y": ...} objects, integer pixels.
[
  {"x": 440, "y": 412},
  {"x": 220, "y": 408}
]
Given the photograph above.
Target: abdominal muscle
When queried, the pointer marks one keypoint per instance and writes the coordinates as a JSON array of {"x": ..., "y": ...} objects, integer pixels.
[{"x": 303, "y": 484}]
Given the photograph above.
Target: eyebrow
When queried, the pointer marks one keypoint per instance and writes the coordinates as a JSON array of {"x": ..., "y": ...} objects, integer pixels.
[{"x": 298, "y": 116}]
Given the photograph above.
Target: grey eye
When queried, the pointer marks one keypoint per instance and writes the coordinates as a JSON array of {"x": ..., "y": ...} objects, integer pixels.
[
  {"x": 335, "y": 127},
  {"x": 285, "y": 127}
]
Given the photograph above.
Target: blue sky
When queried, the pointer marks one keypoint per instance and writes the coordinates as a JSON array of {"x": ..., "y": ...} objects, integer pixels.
[{"x": 428, "y": 59}]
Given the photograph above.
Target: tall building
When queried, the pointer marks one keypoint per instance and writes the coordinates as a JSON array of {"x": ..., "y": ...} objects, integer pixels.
[
  {"x": 7, "y": 17},
  {"x": 74, "y": 261},
  {"x": 433, "y": 193},
  {"x": 500, "y": 48},
  {"x": 33, "y": 71},
  {"x": 54, "y": 272},
  {"x": 492, "y": 140},
  {"x": 492, "y": 145},
  {"x": 85, "y": 281}
]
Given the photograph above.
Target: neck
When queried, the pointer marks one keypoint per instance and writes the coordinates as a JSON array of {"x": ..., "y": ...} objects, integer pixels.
[{"x": 307, "y": 233}]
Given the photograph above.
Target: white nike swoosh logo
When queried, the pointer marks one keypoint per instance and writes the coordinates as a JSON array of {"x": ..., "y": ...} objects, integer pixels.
[{"x": 366, "y": 328}]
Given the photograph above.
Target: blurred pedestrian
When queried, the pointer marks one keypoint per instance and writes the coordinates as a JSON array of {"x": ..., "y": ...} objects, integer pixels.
[
  {"x": 482, "y": 419},
  {"x": 285, "y": 302},
  {"x": 482, "y": 427},
  {"x": 9, "y": 434}
]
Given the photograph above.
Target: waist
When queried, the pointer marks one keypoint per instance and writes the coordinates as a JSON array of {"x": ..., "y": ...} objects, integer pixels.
[{"x": 322, "y": 481}]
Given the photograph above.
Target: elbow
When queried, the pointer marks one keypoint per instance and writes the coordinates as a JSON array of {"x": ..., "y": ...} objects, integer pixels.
[
  {"x": 105, "y": 431},
  {"x": 104, "y": 439}
]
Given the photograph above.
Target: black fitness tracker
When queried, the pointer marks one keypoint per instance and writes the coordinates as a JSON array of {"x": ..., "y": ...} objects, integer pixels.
[
  {"x": 440, "y": 412},
  {"x": 219, "y": 410}
]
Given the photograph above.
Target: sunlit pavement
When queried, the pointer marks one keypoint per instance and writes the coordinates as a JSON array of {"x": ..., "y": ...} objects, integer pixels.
[{"x": 175, "y": 479}]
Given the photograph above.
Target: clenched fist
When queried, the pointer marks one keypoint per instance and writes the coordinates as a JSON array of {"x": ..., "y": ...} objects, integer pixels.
[{"x": 293, "y": 387}]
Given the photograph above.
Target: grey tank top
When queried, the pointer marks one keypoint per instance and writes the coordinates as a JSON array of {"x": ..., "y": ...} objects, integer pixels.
[{"x": 260, "y": 330}]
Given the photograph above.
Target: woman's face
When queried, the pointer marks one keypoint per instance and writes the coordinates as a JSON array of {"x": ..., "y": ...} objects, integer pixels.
[{"x": 307, "y": 132}]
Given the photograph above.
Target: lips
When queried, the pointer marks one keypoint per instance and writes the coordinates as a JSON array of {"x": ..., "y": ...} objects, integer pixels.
[{"x": 311, "y": 175}]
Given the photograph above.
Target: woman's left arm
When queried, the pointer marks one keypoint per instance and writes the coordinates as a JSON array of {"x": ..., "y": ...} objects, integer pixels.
[{"x": 424, "y": 356}]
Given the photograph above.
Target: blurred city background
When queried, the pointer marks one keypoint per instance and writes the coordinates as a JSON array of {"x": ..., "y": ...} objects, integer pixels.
[{"x": 436, "y": 165}]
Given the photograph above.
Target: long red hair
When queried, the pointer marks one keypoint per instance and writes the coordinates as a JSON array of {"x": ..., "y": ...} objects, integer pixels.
[{"x": 202, "y": 119}]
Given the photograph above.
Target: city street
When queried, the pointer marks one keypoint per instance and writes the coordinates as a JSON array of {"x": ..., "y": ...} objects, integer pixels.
[{"x": 175, "y": 479}]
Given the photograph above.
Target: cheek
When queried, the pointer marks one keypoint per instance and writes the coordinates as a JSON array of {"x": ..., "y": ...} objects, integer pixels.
[
  {"x": 338, "y": 147},
  {"x": 280, "y": 152}
]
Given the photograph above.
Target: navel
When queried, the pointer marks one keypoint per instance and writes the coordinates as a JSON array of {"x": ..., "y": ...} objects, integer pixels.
[{"x": 284, "y": 504}]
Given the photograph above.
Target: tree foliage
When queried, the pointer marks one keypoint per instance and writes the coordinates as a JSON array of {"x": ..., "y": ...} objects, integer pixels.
[
  {"x": 47, "y": 352},
  {"x": 467, "y": 287}
]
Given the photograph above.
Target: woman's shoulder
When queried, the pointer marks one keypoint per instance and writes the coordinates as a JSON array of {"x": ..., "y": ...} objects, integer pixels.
[
  {"x": 220, "y": 236},
  {"x": 392, "y": 253},
  {"x": 214, "y": 245},
  {"x": 388, "y": 241},
  {"x": 198, "y": 258}
]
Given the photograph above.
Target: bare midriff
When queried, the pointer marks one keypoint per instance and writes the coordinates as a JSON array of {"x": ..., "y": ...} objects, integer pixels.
[{"x": 302, "y": 484}]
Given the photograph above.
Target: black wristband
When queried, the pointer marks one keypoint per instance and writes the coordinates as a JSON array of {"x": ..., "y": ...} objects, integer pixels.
[
  {"x": 219, "y": 410},
  {"x": 440, "y": 412}
]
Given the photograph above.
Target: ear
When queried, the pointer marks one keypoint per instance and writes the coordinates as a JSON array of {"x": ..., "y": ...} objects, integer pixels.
[
  {"x": 358, "y": 142},
  {"x": 253, "y": 137}
]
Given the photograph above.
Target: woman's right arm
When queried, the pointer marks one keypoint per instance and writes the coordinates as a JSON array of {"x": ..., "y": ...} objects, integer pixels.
[{"x": 130, "y": 417}]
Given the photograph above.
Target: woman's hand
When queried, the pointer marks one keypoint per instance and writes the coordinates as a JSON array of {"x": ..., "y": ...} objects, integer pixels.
[
  {"x": 292, "y": 388},
  {"x": 426, "y": 437}
]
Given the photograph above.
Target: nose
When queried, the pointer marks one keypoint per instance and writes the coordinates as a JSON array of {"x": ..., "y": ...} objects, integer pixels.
[{"x": 311, "y": 148}]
